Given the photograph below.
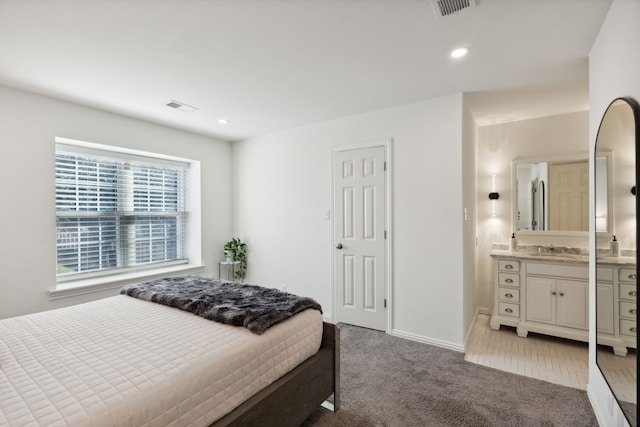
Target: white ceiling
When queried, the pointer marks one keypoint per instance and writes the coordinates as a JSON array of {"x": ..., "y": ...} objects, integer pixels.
[{"x": 268, "y": 65}]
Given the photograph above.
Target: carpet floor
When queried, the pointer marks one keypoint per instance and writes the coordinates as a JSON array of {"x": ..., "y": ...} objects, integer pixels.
[{"x": 390, "y": 381}]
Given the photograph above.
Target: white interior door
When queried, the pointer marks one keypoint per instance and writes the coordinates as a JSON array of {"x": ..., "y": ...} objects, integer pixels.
[
  {"x": 359, "y": 237},
  {"x": 569, "y": 196}
]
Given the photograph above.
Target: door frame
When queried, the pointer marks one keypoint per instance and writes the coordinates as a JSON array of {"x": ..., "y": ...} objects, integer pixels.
[{"x": 385, "y": 143}]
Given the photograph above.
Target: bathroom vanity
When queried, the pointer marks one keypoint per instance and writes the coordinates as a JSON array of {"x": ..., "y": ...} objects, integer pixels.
[
  {"x": 548, "y": 293},
  {"x": 616, "y": 305}
]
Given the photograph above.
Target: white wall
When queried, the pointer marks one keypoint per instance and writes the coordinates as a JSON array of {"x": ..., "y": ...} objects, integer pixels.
[
  {"x": 469, "y": 202},
  {"x": 614, "y": 67},
  {"x": 282, "y": 187},
  {"x": 28, "y": 125},
  {"x": 498, "y": 145}
]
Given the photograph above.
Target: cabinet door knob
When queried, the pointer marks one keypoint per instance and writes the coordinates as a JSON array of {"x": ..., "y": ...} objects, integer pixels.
[
  {"x": 633, "y": 293},
  {"x": 508, "y": 295},
  {"x": 632, "y": 276},
  {"x": 633, "y": 329},
  {"x": 633, "y": 311},
  {"x": 553, "y": 292},
  {"x": 508, "y": 280},
  {"x": 509, "y": 267},
  {"x": 561, "y": 294},
  {"x": 508, "y": 310},
  {"x": 339, "y": 246}
]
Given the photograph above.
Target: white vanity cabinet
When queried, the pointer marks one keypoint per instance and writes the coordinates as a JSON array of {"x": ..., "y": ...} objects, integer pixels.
[
  {"x": 551, "y": 297},
  {"x": 507, "y": 305},
  {"x": 616, "y": 311},
  {"x": 627, "y": 293},
  {"x": 556, "y": 300},
  {"x": 605, "y": 300}
]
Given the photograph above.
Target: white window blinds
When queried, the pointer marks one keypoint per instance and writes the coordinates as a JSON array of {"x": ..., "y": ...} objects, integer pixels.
[{"x": 117, "y": 211}]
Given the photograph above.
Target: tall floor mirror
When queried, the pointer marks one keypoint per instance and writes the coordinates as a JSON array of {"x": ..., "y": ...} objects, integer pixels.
[{"x": 616, "y": 275}]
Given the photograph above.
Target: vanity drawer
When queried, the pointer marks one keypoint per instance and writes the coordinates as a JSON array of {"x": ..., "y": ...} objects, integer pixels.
[
  {"x": 558, "y": 270},
  {"x": 627, "y": 275},
  {"x": 628, "y": 327},
  {"x": 508, "y": 265},
  {"x": 508, "y": 279},
  {"x": 507, "y": 309},
  {"x": 508, "y": 294},
  {"x": 604, "y": 274},
  {"x": 628, "y": 292},
  {"x": 628, "y": 309}
]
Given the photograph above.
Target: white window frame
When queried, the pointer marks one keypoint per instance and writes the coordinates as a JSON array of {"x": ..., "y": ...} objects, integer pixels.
[{"x": 103, "y": 280}]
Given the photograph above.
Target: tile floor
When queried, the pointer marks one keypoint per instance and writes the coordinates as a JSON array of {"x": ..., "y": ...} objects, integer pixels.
[
  {"x": 547, "y": 358},
  {"x": 622, "y": 373},
  {"x": 551, "y": 359}
]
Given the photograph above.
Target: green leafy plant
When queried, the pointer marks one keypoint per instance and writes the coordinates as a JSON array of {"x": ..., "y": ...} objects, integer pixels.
[{"x": 239, "y": 250}]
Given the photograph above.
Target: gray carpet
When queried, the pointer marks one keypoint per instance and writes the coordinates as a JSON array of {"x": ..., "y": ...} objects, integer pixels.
[{"x": 390, "y": 381}]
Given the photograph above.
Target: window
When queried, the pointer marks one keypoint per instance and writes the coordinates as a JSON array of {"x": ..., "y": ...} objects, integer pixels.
[{"x": 117, "y": 211}]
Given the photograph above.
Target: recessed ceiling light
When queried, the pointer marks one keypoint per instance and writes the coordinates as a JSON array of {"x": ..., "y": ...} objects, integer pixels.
[
  {"x": 181, "y": 106},
  {"x": 223, "y": 121},
  {"x": 459, "y": 53}
]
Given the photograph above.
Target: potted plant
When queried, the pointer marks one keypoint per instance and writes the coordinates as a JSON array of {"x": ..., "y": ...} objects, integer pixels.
[{"x": 236, "y": 250}]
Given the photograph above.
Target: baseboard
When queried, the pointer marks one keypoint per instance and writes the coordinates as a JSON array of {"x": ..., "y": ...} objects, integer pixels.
[
  {"x": 483, "y": 310},
  {"x": 427, "y": 340},
  {"x": 327, "y": 318},
  {"x": 480, "y": 310}
]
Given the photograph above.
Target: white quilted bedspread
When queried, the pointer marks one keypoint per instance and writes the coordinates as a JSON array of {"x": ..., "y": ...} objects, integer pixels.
[{"x": 121, "y": 361}]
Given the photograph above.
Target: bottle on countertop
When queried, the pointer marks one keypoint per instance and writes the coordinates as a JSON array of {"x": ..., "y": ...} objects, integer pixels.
[
  {"x": 514, "y": 243},
  {"x": 614, "y": 247}
]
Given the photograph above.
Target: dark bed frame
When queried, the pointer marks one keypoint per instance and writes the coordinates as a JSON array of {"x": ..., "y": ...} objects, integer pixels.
[{"x": 294, "y": 397}]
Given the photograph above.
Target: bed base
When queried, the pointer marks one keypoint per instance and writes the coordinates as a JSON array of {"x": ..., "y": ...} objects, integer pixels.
[{"x": 293, "y": 398}]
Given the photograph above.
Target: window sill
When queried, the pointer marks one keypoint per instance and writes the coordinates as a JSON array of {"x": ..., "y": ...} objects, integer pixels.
[{"x": 99, "y": 284}]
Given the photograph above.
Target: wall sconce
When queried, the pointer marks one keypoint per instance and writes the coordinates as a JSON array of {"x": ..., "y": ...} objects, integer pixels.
[
  {"x": 493, "y": 196},
  {"x": 633, "y": 190}
]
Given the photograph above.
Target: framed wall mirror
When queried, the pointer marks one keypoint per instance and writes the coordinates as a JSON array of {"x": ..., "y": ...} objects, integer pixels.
[
  {"x": 616, "y": 205},
  {"x": 552, "y": 194}
]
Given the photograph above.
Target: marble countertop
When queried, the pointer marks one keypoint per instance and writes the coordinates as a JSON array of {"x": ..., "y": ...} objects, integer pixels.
[{"x": 531, "y": 254}]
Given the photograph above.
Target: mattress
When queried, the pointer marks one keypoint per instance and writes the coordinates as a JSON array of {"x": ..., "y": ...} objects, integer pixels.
[{"x": 121, "y": 361}]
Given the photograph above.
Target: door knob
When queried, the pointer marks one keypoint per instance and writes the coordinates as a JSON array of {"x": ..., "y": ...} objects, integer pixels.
[{"x": 339, "y": 246}]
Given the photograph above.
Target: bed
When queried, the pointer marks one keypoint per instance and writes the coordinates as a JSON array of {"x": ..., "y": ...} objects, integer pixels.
[{"x": 128, "y": 362}]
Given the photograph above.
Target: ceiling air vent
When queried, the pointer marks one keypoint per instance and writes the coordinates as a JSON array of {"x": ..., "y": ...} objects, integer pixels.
[
  {"x": 444, "y": 8},
  {"x": 180, "y": 106}
]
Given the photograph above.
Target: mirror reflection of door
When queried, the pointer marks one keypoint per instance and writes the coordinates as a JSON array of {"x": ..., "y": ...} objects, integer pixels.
[
  {"x": 616, "y": 276},
  {"x": 553, "y": 195},
  {"x": 569, "y": 196},
  {"x": 532, "y": 199}
]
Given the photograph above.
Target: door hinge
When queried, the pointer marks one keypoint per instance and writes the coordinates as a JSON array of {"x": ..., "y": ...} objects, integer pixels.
[
  {"x": 385, "y": 166},
  {"x": 385, "y": 303},
  {"x": 385, "y": 234}
]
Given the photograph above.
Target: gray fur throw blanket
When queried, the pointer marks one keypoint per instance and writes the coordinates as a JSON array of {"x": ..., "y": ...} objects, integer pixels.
[{"x": 238, "y": 304}]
